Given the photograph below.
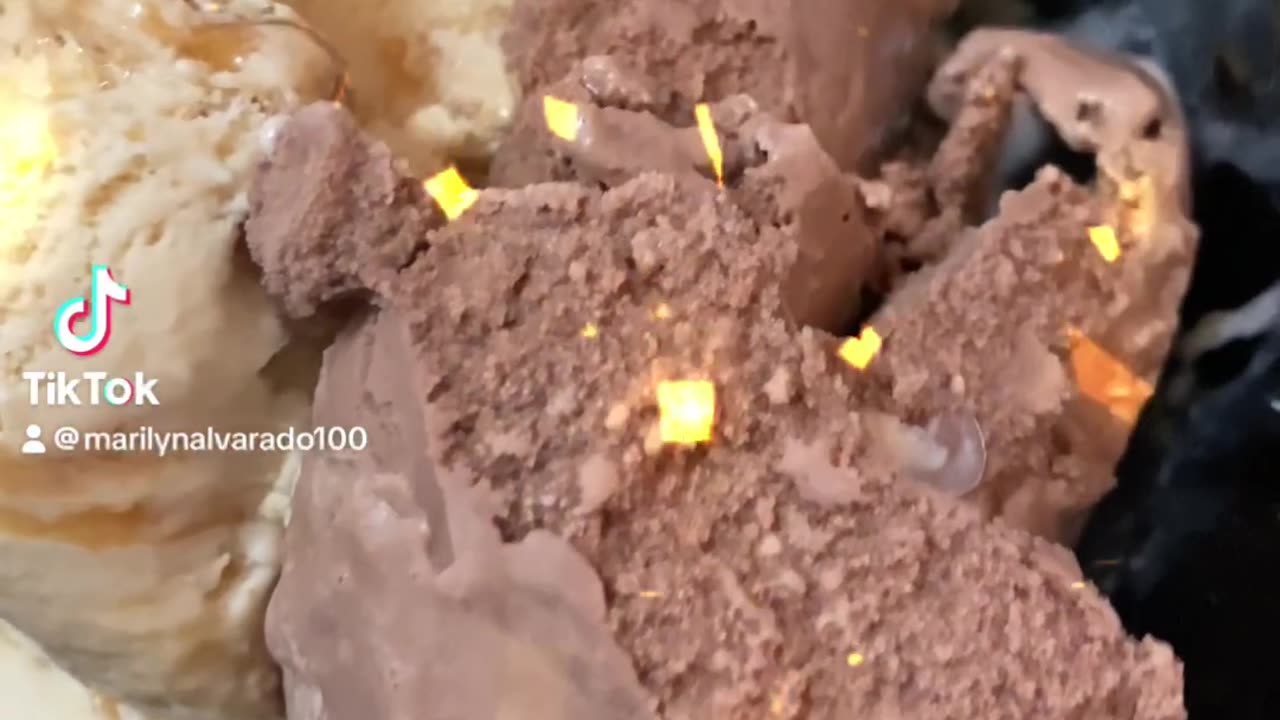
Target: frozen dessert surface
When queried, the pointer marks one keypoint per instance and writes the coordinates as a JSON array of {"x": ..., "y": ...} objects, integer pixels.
[
  {"x": 148, "y": 150},
  {"x": 427, "y": 77},
  {"x": 821, "y": 63},
  {"x": 777, "y": 172},
  {"x": 853, "y": 538},
  {"x": 147, "y": 576},
  {"x": 779, "y": 176},
  {"x": 325, "y": 151},
  {"x": 791, "y": 567},
  {"x": 409, "y": 568},
  {"x": 1120, "y": 108},
  {"x": 33, "y": 686},
  {"x": 1123, "y": 112}
]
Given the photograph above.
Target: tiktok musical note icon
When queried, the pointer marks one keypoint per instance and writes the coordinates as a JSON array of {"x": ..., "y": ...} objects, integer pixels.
[{"x": 104, "y": 291}]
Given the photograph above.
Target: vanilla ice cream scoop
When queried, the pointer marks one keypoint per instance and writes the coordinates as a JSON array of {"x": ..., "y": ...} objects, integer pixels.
[{"x": 135, "y": 127}]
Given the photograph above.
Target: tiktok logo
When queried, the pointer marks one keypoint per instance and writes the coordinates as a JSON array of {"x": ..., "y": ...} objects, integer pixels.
[{"x": 97, "y": 308}]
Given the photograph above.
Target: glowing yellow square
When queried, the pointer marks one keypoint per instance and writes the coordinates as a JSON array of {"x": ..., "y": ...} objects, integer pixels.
[
  {"x": 1103, "y": 238},
  {"x": 860, "y": 351},
  {"x": 687, "y": 410},
  {"x": 451, "y": 192},
  {"x": 563, "y": 119}
]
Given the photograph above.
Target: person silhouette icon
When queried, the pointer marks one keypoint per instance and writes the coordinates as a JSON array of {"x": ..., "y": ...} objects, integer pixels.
[{"x": 33, "y": 445}]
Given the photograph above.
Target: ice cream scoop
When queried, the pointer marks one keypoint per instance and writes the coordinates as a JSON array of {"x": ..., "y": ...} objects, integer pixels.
[
  {"x": 530, "y": 334},
  {"x": 145, "y": 576}
]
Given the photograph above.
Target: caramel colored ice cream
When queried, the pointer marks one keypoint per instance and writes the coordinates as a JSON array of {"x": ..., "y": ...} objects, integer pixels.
[
  {"x": 138, "y": 126},
  {"x": 801, "y": 564},
  {"x": 427, "y": 77}
]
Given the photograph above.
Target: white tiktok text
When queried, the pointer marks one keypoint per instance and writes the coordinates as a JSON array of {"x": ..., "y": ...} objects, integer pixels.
[{"x": 89, "y": 388}]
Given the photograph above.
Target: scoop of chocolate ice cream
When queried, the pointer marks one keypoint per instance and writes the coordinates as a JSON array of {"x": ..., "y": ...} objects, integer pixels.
[{"x": 791, "y": 567}]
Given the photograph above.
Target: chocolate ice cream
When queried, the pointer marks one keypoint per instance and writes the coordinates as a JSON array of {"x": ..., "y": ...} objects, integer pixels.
[
  {"x": 795, "y": 566},
  {"x": 482, "y": 628},
  {"x": 325, "y": 144},
  {"x": 827, "y": 63},
  {"x": 1034, "y": 480},
  {"x": 799, "y": 193}
]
